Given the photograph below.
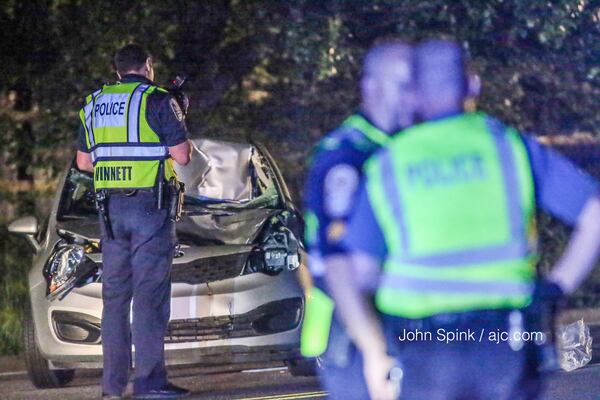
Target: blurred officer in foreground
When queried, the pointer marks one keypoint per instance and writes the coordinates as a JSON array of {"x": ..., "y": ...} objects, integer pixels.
[
  {"x": 131, "y": 133},
  {"x": 387, "y": 105},
  {"x": 446, "y": 219}
]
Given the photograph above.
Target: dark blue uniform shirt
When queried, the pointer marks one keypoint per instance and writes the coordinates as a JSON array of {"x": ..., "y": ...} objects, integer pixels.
[
  {"x": 561, "y": 189},
  {"x": 332, "y": 185},
  {"x": 160, "y": 114}
]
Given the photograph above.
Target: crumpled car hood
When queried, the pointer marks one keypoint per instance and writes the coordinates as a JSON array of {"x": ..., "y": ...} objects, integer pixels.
[
  {"x": 227, "y": 227},
  {"x": 238, "y": 228}
]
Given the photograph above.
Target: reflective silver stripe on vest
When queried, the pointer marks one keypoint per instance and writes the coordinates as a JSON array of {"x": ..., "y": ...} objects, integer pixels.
[
  {"x": 130, "y": 152},
  {"x": 392, "y": 192},
  {"x": 512, "y": 185},
  {"x": 133, "y": 113},
  {"x": 396, "y": 281},
  {"x": 88, "y": 114},
  {"x": 516, "y": 248},
  {"x": 467, "y": 257}
]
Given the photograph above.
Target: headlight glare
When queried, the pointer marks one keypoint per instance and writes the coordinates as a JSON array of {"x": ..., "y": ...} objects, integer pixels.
[{"x": 63, "y": 264}]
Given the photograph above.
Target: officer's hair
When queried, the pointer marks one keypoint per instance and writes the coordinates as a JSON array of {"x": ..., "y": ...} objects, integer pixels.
[
  {"x": 441, "y": 67},
  {"x": 130, "y": 57},
  {"x": 385, "y": 49}
]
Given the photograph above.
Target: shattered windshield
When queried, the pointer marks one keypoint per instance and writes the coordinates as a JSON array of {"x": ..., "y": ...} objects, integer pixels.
[
  {"x": 224, "y": 175},
  {"x": 220, "y": 176}
]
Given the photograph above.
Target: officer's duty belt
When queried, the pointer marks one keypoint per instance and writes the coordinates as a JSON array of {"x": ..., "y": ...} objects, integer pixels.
[{"x": 129, "y": 192}]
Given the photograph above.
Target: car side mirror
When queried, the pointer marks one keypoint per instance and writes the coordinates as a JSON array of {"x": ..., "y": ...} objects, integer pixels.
[{"x": 27, "y": 227}]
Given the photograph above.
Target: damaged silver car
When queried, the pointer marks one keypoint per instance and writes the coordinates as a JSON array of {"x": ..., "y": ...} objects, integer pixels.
[{"x": 235, "y": 294}]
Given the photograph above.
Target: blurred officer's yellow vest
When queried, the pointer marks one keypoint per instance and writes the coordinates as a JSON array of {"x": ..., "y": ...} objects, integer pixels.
[
  {"x": 319, "y": 308},
  {"x": 317, "y": 323},
  {"x": 125, "y": 151},
  {"x": 455, "y": 201}
]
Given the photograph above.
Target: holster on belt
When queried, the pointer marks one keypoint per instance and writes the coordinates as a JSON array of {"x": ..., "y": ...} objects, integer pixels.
[
  {"x": 175, "y": 192},
  {"x": 102, "y": 208}
]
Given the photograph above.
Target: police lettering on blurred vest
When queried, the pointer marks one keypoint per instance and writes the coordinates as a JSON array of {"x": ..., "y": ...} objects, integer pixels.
[{"x": 476, "y": 248}]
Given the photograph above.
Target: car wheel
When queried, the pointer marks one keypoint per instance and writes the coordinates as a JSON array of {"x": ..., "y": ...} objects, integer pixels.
[
  {"x": 304, "y": 366},
  {"x": 38, "y": 368}
]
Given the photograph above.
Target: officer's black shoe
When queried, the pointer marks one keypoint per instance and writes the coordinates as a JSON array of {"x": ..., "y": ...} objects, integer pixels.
[
  {"x": 169, "y": 391},
  {"x": 111, "y": 397}
]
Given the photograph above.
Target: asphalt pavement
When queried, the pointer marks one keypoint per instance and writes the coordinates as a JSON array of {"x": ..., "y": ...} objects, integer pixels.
[
  {"x": 273, "y": 383},
  {"x": 210, "y": 383}
]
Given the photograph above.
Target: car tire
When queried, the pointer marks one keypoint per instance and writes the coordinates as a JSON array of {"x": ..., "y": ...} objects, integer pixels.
[
  {"x": 303, "y": 366},
  {"x": 38, "y": 368}
]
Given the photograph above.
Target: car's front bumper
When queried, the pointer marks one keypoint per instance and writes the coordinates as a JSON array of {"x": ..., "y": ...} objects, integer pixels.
[
  {"x": 227, "y": 298},
  {"x": 207, "y": 356}
]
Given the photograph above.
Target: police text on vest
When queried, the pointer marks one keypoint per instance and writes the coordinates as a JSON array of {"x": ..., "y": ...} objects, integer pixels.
[
  {"x": 458, "y": 169},
  {"x": 102, "y": 109}
]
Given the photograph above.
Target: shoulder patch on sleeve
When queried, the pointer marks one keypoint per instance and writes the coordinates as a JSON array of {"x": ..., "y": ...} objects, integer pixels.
[
  {"x": 340, "y": 186},
  {"x": 336, "y": 230},
  {"x": 176, "y": 109}
]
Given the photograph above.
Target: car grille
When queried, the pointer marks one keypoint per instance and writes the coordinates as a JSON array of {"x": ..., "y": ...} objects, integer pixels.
[
  {"x": 274, "y": 317},
  {"x": 209, "y": 269}
]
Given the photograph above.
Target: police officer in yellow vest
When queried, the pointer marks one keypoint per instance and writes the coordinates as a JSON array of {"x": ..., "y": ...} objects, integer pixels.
[
  {"x": 387, "y": 105},
  {"x": 131, "y": 133},
  {"x": 446, "y": 223}
]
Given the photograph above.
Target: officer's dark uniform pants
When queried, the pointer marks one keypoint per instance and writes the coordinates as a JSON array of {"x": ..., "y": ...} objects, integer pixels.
[
  {"x": 342, "y": 373},
  {"x": 463, "y": 369},
  {"x": 136, "y": 264}
]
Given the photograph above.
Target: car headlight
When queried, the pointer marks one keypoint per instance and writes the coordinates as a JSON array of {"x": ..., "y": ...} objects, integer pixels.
[
  {"x": 63, "y": 265},
  {"x": 281, "y": 251},
  {"x": 278, "y": 252}
]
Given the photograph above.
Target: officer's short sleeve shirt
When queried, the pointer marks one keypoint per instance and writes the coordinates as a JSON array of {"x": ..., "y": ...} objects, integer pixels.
[
  {"x": 332, "y": 185},
  {"x": 330, "y": 189},
  {"x": 162, "y": 112},
  {"x": 561, "y": 189},
  {"x": 81, "y": 142}
]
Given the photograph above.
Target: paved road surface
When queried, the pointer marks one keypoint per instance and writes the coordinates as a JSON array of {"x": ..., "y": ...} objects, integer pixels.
[{"x": 263, "y": 384}]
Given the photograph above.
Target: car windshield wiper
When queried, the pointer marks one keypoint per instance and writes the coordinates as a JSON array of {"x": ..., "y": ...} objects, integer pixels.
[
  {"x": 193, "y": 209},
  {"x": 212, "y": 212},
  {"x": 76, "y": 217},
  {"x": 229, "y": 205},
  {"x": 207, "y": 201}
]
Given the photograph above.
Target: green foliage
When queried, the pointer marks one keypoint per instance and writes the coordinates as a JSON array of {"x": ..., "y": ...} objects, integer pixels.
[
  {"x": 284, "y": 72},
  {"x": 280, "y": 72},
  {"x": 13, "y": 291}
]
